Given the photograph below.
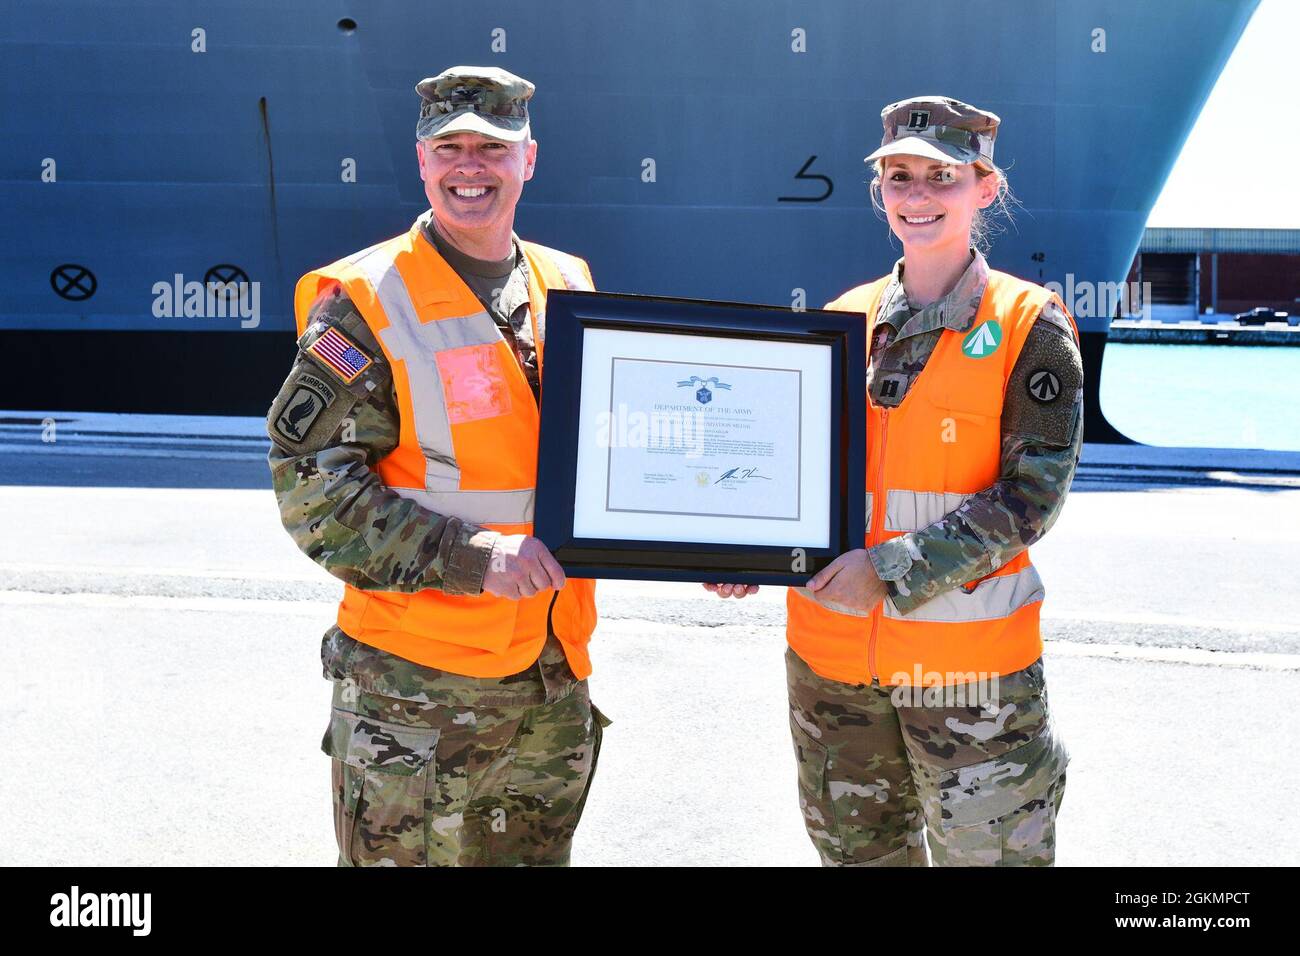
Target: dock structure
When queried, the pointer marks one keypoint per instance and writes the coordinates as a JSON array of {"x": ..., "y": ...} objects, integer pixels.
[
  {"x": 151, "y": 643},
  {"x": 1197, "y": 282},
  {"x": 1150, "y": 331}
]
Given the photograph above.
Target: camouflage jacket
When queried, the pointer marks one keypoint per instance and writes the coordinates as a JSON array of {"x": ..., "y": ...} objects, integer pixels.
[
  {"x": 1041, "y": 439},
  {"x": 326, "y": 437}
]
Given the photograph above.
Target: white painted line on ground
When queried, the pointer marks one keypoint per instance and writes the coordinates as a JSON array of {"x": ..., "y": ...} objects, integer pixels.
[
  {"x": 235, "y": 574},
  {"x": 1176, "y": 655},
  {"x": 153, "y": 602},
  {"x": 225, "y": 574},
  {"x": 1172, "y": 620},
  {"x": 155, "y": 496},
  {"x": 127, "y": 442},
  {"x": 1289, "y": 481},
  {"x": 198, "y": 426},
  {"x": 122, "y": 602},
  {"x": 94, "y": 451}
]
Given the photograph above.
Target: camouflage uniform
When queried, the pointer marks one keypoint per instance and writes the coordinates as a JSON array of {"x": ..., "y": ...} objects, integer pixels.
[
  {"x": 333, "y": 505},
  {"x": 877, "y": 767},
  {"x": 981, "y": 769},
  {"x": 435, "y": 769},
  {"x": 430, "y": 768},
  {"x": 1040, "y": 440}
]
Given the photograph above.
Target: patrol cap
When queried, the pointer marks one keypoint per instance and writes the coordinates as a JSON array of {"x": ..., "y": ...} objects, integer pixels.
[
  {"x": 474, "y": 99},
  {"x": 938, "y": 128}
]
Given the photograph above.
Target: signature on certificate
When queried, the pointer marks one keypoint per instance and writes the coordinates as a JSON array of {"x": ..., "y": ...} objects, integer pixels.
[{"x": 741, "y": 474}]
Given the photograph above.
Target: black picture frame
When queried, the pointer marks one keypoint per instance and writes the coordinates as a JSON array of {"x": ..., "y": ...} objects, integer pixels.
[{"x": 569, "y": 314}]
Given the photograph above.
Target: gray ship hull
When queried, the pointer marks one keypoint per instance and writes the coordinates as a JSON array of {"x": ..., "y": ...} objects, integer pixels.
[{"x": 706, "y": 150}]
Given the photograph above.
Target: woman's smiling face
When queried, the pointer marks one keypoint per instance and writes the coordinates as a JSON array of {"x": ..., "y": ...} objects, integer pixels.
[{"x": 931, "y": 204}]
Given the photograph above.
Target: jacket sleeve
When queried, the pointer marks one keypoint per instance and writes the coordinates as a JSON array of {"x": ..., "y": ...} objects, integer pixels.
[
  {"x": 1041, "y": 440},
  {"x": 326, "y": 436}
]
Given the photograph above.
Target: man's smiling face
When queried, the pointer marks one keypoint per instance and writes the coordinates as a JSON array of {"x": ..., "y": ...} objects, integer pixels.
[{"x": 473, "y": 182}]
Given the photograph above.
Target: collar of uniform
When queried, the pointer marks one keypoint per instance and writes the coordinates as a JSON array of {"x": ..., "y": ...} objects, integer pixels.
[
  {"x": 894, "y": 309},
  {"x": 955, "y": 311},
  {"x": 516, "y": 291},
  {"x": 446, "y": 290},
  {"x": 463, "y": 262}
]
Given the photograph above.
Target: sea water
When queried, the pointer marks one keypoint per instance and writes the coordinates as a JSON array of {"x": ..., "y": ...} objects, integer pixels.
[{"x": 1219, "y": 396}]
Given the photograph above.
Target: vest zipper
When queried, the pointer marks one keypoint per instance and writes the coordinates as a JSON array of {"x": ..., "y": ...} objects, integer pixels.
[{"x": 877, "y": 528}]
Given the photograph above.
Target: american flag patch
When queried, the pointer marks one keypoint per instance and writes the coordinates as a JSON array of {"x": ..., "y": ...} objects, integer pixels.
[{"x": 338, "y": 353}]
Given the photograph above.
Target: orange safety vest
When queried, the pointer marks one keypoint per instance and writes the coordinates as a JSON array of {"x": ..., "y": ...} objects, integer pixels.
[
  {"x": 924, "y": 458},
  {"x": 467, "y": 447}
]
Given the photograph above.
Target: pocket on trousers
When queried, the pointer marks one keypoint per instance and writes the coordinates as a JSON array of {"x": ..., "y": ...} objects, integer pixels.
[
  {"x": 810, "y": 759},
  {"x": 380, "y": 773},
  {"x": 820, "y": 819},
  {"x": 983, "y": 792},
  {"x": 598, "y": 724}
]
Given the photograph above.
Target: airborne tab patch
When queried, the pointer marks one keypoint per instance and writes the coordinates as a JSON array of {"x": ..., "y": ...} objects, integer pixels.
[
  {"x": 339, "y": 354},
  {"x": 309, "y": 399}
]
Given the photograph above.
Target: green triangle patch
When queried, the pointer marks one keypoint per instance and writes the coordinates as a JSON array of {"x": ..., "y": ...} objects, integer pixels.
[{"x": 983, "y": 340}]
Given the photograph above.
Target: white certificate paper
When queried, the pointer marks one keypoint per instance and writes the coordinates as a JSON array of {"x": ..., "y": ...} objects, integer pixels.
[
  {"x": 719, "y": 440},
  {"x": 709, "y": 439}
]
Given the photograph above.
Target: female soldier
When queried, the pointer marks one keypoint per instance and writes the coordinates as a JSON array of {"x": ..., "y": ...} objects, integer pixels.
[{"x": 917, "y": 698}]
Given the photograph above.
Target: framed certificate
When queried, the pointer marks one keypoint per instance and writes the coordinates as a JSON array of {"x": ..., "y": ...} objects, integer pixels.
[{"x": 688, "y": 440}]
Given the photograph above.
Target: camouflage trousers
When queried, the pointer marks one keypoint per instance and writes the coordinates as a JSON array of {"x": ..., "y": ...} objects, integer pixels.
[
  {"x": 432, "y": 768},
  {"x": 979, "y": 769}
]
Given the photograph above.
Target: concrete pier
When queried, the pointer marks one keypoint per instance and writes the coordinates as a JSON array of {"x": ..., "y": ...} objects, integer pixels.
[{"x": 165, "y": 705}]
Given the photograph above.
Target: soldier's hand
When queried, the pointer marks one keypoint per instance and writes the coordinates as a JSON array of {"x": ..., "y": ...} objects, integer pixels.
[
  {"x": 849, "y": 581},
  {"x": 520, "y": 567},
  {"x": 732, "y": 590}
]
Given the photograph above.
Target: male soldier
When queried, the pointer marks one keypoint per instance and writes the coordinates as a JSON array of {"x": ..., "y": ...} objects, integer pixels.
[{"x": 404, "y": 456}]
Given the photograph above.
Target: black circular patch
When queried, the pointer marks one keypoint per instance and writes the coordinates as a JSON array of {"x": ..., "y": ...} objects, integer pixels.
[
  {"x": 1043, "y": 385},
  {"x": 73, "y": 282}
]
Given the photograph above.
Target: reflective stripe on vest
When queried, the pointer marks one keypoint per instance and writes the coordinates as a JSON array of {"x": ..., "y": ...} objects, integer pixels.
[
  {"x": 466, "y": 448},
  {"x": 831, "y": 605},
  {"x": 477, "y": 507},
  {"x": 992, "y": 598},
  {"x": 417, "y": 344},
  {"x": 991, "y": 623},
  {"x": 571, "y": 273},
  {"x": 839, "y": 608},
  {"x": 914, "y": 510}
]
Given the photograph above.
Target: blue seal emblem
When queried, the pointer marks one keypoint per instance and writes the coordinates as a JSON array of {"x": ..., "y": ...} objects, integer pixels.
[{"x": 702, "y": 394}]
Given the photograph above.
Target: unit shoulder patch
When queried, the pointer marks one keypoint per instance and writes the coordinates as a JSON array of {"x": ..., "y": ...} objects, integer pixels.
[
  {"x": 302, "y": 410},
  {"x": 1043, "y": 385},
  {"x": 307, "y": 411},
  {"x": 1044, "y": 396}
]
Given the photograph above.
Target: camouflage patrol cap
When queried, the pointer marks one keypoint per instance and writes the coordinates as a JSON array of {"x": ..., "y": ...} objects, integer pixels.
[
  {"x": 475, "y": 99},
  {"x": 938, "y": 128}
]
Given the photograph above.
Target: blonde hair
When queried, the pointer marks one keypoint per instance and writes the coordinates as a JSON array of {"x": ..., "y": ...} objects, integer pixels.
[{"x": 983, "y": 226}]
